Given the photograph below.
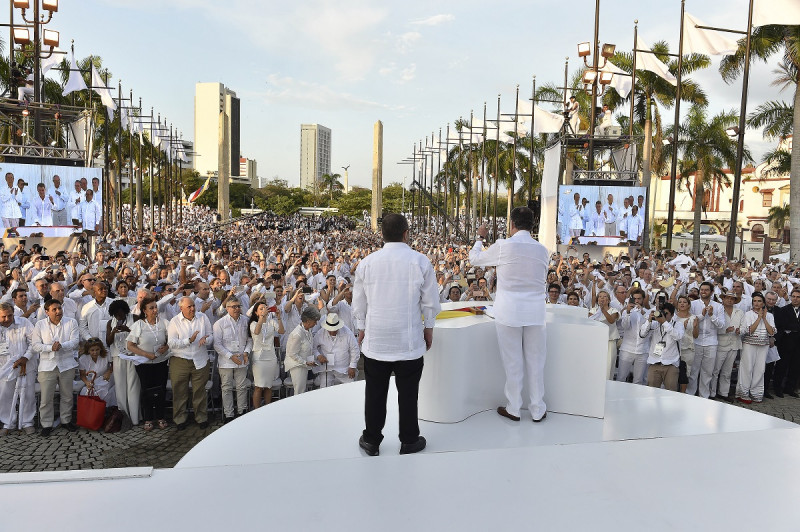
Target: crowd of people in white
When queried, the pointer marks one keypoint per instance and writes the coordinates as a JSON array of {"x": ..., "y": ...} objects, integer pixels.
[{"x": 268, "y": 301}]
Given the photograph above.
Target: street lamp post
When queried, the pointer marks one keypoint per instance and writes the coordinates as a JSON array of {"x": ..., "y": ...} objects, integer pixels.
[
  {"x": 593, "y": 75},
  {"x": 49, "y": 37}
]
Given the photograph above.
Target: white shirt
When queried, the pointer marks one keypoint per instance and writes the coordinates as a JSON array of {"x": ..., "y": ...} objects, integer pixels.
[
  {"x": 731, "y": 340},
  {"x": 180, "y": 331},
  {"x": 522, "y": 264},
  {"x": 45, "y": 334},
  {"x": 14, "y": 345},
  {"x": 9, "y": 208},
  {"x": 709, "y": 325},
  {"x": 341, "y": 350},
  {"x": 634, "y": 225},
  {"x": 596, "y": 225},
  {"x": 93, "y": 320},
  {"x": 394, "y": 297},
  {"x": 60, "y": 196},
  {"x": 149, "y": 338},
  {"x": 41, "y": 211},
  {"x": 668, "y": 334},
  {"x": 264, "y": 343},
  {"x": 90, "y": 214},
  {"x": 610, "y": 212},
  {"x": 232, "y": 338}
]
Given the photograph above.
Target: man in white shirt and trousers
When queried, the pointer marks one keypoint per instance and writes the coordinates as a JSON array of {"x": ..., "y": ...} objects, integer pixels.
[
  {"x": 519, "y": 310},
  {"x": 91, "y": 216},
  {"x": 17, "y": 372},
  {"x": 59, "y": 196},
  {"x": 233, "y": 345},
  {"x": 395, "y": 303}
]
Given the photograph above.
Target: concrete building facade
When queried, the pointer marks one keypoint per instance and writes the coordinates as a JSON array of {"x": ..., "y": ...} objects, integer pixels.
[
  {"x": 761, "y": 190},
  {"x": 216, "y": 120},
  {"x": 248, "y": 170},
  {"x": 315, "y": 154}
]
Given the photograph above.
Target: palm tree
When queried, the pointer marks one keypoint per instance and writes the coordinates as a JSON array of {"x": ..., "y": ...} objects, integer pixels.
[
  {"x": 777, "y": 217},
  {"x": 651, "y": 90},
  {"x": 707, "y": 150},
  {"x": 331, "y": 183},
  {"x": 764, "y": 43}
]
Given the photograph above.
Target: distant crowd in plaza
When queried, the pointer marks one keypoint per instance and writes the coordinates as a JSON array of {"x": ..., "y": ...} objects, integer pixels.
[{"x": 266, "y": 303}]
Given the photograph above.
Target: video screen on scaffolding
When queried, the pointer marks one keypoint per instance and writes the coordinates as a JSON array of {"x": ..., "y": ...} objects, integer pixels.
[{"x": 592, "y": 215}]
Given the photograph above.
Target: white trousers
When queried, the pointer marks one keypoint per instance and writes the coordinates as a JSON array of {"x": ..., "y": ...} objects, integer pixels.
[
  {"x": 611, "y": 229},
  {"x": 632, "y": 362},
  {"x": 723, "y": 367},
  {"x": 751, "y": 372},
  {"x": 10, "y": 222},
  {"x": 299, "y": 376},
  {"x": 127, "y": 387},
  {"x": 20, "y": 390},
  {"x": 612, "y": 357},
  {"x": 702, "y": 368},
  {"x": 47, "y": 382},
  {"x": 229, "y": 379},
  {"x": 332, "y": 378},
  {"x": 523, "y": 351},
  {"x": 60, "y": 218}
]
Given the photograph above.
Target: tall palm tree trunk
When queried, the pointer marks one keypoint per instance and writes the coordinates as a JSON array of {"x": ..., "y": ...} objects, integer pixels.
[
  {"x": 647, "y": 148},
  {"x": 699, "y": 196},
  {"x": 794, "y": 183}
]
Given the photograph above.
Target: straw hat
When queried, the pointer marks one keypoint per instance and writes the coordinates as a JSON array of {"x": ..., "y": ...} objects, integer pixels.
[
  {"x": 666, "y": 283},
  {"x": 332, "y": 322}
]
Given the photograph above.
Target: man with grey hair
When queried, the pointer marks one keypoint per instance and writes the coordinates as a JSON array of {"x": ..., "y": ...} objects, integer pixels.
[
  {"x": 189, "y": 337},
  {"x": 59, "y": 196},
  {"x": 233, "y": 346},
  {"x": 299, "y": 346},
  {"x": 17, "y": 372}
]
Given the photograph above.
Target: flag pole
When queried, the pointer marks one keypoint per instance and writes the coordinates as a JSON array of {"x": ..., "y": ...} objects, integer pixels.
[
  {"x": 674, "y": 162},
  {"x": 633, "y": 77},
  {"x": 533, "y": 128},
  {"x": 730, "y": 248}
]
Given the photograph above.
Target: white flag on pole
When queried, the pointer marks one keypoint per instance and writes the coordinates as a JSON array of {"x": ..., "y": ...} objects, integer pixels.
[
  {"x": 621, "y": 81},
  {"x": 546, "y": 122},
  {"x": 75, "y": 81},
  {"x": 709, "y": 42},
  {"x": 783, "y": 12},
  {"x": 648, "y": 61},
  {"x": 49, "y": 62},
  {"x": 99, "y": 86}
]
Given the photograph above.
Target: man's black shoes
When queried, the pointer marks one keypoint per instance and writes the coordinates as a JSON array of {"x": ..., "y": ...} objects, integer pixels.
[
  {"x": 370, "y": 448},
  {"x": 411, "y": 448}
]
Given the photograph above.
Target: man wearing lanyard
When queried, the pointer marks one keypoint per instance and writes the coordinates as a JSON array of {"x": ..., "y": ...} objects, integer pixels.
[
  {"x": 55, "y": 339},
  {"x": 233, "y": 346},
  {"x": 336, "y": 348},
  {"x": 59, "y": 196},
  {"x": 189, "y": 337},
  {"x": 17, "y": 372},
  {"x": 664, "y": 356}
]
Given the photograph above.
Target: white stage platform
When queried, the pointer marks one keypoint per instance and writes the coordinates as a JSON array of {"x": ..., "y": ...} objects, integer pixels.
[{"x": 658, "y": 461}]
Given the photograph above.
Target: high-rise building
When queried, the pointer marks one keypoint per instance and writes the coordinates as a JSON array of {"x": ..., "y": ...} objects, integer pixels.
[
  {"x": 216, "y": 107},
  {"x": 315, "y": 154},
  {"x": 247, "y": 170}
]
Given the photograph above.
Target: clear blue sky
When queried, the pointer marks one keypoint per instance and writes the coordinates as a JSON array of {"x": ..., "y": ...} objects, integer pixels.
[{"x": 345, "y": 64}]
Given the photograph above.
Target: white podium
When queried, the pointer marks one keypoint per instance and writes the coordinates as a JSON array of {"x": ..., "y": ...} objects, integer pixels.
[{"x": 463, "y": 374}]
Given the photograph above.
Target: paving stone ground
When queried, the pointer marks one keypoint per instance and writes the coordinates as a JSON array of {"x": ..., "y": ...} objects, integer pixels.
[{"x": 85, "y": 449}]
